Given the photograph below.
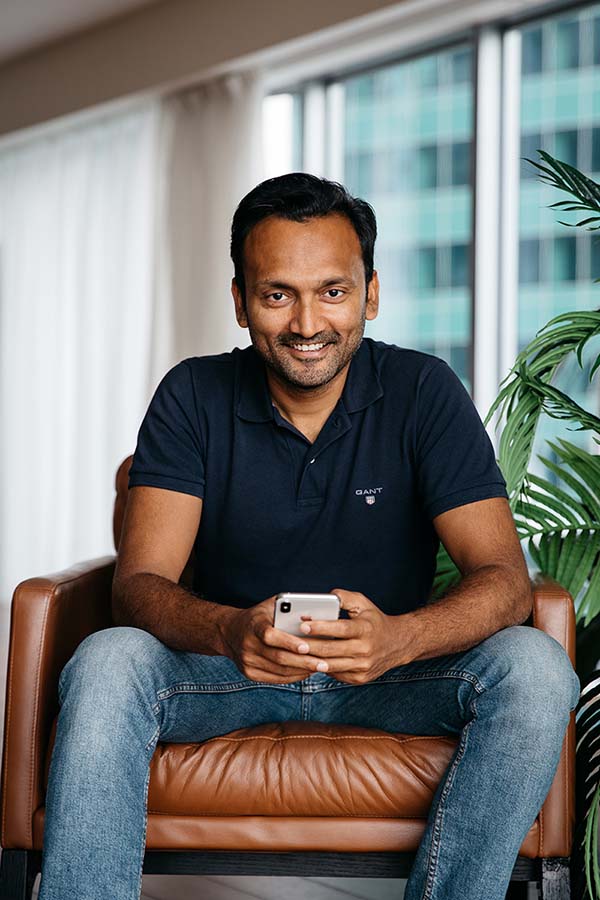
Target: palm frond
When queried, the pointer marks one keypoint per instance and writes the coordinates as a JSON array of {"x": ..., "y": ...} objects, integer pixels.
[
  {"x": 567, "y": 178},
  {"x": 526, "y": 392},
  {"x": 562, "y": 530},
  {"x": 559, "y": 405}
]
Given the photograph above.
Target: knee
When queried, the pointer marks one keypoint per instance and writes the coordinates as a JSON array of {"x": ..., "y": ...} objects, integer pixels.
[
  {"x": 539, "y": 668},
  {"x": 108, "y": 661}
]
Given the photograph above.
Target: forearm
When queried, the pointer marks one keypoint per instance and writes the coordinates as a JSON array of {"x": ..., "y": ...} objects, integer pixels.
[
  {"x": 171, "y": 613},
  {"x": 483, "y": 602}
]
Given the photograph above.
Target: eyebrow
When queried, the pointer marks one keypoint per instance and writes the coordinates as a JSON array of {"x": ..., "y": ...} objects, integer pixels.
[{"x": 334, "y": 279}]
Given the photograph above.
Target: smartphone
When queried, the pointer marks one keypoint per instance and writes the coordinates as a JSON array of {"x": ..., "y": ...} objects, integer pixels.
[{"x": 292, "y": 609}]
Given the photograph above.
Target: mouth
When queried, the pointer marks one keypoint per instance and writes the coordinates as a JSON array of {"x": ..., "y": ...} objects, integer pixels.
[{"x": 309, "y": 350}]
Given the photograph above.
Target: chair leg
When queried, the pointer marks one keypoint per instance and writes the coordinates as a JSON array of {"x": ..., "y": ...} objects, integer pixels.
[
  {"x": 18, "y": 870},
  {"x": 556, "y": 879}
]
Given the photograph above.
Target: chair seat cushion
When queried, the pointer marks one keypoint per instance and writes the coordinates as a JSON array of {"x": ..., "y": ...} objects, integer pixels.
[
  {"x": 290, "y": 786},
  {"x": 298, "y": 768}
]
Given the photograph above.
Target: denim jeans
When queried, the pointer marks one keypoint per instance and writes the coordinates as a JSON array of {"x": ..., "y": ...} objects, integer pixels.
[{"x": 508, "y": 697}]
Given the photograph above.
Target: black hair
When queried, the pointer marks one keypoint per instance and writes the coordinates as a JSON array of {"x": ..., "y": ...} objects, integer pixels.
[{"x": 299, "y": 196}]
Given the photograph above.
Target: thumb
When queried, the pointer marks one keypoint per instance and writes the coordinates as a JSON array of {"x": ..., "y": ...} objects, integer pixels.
[{"x": 351, "y": 601}]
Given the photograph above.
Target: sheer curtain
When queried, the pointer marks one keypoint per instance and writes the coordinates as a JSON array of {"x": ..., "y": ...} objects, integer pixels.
[
  {"x": 114, "y": 264},
  {"x": 213, "y": 156}
]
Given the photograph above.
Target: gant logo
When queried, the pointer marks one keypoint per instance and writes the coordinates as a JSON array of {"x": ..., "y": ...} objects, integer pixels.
[{"x": 369, "y": 494}]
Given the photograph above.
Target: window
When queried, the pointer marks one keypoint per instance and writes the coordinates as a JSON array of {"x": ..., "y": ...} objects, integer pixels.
[
  {"x": 401, "y": 134},
  {"x": 407, "y": 136},
  {"x": 559, "y": 112}
]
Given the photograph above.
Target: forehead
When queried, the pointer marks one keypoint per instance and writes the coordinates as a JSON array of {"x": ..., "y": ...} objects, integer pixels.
[{"x": 280, "y": 245}]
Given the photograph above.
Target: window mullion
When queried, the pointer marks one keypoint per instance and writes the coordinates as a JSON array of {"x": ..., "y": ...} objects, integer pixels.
[
  {"x": 509, "y": 193},
  {"x": 486, "y": 234},
  {"x": 313, "y": 145}
]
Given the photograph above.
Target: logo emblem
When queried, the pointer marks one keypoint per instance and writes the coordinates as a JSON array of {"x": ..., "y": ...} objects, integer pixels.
[{"x": 370, "y": 500}]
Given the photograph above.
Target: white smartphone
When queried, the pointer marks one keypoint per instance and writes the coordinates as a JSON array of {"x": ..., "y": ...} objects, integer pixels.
[{"x": 293, "y": 609}]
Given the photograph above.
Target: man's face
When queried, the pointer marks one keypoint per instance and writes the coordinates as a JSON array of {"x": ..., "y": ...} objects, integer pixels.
[{"x": 305, "y": 297}]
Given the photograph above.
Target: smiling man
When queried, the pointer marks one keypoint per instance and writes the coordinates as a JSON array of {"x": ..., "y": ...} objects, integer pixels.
[{"x": 313, "y": 457}]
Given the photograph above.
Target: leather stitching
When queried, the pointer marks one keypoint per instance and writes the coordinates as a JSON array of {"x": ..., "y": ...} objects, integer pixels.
[{"x": 341, "y": 737}]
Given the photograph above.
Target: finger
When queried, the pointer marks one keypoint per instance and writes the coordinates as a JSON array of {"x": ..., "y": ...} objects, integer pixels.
[
  {"x": 321, "y": 648},
  {"x": 275, "y": 637},
  {"x": 304, "y": 661},
  {"x": 343, "y": 628},
  {"x": 343, "y": 664}
]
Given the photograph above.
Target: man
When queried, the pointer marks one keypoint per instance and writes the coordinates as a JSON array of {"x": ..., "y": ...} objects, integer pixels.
[{"x": 262, "y": 460}]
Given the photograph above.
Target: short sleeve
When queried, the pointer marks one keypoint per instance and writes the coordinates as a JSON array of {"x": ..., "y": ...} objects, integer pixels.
[
  {"x": 455, "y": 457},
  {"x": 170, "y": 450}
]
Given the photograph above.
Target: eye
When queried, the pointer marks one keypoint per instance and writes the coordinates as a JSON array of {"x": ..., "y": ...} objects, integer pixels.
[
  {"x": 339, "y": 292},
  {"x": 276, "y": 295}
]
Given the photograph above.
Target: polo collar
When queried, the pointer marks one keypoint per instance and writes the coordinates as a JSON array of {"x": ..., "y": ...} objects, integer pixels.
[{"x": 362, "y": 387}]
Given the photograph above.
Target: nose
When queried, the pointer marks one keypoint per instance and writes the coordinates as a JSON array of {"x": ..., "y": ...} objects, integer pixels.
[{"x": 307, "y": 319}]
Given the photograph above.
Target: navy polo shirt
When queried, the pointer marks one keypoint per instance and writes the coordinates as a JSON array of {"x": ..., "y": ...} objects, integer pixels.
[{"x": 353, "y": 510}]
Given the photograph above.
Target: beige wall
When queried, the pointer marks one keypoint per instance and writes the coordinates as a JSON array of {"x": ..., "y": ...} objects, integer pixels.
[{"x": 170, "y": 43}]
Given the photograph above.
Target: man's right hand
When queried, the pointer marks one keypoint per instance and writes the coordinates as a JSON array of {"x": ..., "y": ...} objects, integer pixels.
[{"x": 245, "y": 635}]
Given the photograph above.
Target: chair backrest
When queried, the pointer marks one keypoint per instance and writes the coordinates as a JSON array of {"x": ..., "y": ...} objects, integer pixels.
[{"x": 122, "y": 489}]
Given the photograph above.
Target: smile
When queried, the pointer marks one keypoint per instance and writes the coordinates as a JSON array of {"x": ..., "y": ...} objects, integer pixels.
[{"x": 308, "y": 349}]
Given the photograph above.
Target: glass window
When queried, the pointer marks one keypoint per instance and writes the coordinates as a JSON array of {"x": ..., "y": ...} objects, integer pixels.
[
  {"x": 567, "y": 44},
  {"x": 565, "y": 147},
  {"x": 529, "y": 261},
  {"x": 428, "y": 167},
  {"x": 596, "y": 150},
  {"x": 461, "y": 66},
  {"x": 531, "y": 142},
  {"x": 557, "y": 264},
  {"x": 531, "y": 50},
  {"x": 459, "y": 265},
  {"x": 427, "y": 278},
  {"x": 596, "y": 41},
  {"x": 564, "y": 267},
  {"x": 461, "y": 163},
  {"x": 595, "y": 258},
  {"x": 414, "y": 142}
]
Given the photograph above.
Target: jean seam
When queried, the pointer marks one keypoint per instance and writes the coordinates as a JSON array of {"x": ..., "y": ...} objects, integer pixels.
[
  {"x": 187, "y": 688},
  {"x": 433, "y": 855},
  {"x": 145, "y": 828}
]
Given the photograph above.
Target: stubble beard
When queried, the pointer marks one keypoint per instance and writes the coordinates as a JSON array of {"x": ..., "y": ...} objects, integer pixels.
[{"x": 311, "y": 373}]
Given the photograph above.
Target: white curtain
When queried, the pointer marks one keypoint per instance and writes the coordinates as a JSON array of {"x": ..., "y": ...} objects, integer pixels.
[
  {"x": 76, "y": 250},
  {"x": 213, "y": 157},
  {"x": 114, "y": 264}
]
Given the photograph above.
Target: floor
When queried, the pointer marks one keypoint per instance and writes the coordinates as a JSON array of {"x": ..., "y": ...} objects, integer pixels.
[{"x": 240, "y": 887}]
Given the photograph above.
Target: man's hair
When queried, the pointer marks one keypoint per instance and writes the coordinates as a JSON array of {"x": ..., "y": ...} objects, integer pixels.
[{"x": 300, "y": 196}]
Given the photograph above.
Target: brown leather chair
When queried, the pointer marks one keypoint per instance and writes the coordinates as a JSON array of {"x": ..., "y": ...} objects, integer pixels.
[{"x": 328, "y": 816}]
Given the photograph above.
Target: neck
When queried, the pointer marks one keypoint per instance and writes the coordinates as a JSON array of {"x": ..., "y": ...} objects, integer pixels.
[{"x": 316, "y": 403}]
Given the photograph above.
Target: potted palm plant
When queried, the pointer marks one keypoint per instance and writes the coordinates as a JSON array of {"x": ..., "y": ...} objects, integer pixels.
[{"x": 559, "y": 521}]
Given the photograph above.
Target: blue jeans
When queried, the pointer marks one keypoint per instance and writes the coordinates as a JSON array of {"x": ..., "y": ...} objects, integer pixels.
[{"x": 508, "y": 697}]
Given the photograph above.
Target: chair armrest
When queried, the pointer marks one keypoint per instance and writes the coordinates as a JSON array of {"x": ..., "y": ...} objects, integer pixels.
[
  {"x": 50, "y": 616},
  {"x": 554, "y": 612}
]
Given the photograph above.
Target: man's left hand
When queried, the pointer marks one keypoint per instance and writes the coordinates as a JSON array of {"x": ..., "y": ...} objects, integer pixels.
[{"x": 363, "y": 646}]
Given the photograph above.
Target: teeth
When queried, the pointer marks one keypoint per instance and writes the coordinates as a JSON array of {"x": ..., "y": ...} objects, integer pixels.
[{"x": 307, "y": 346}]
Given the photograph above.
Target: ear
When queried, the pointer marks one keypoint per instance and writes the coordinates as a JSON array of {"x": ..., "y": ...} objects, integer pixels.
[
  {"x": 372, "y": 307},
  {"x": 240, "y": 308}
]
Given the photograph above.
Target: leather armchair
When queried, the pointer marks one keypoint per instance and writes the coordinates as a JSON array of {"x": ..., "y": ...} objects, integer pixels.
[{"x": 203, "y": 815}]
